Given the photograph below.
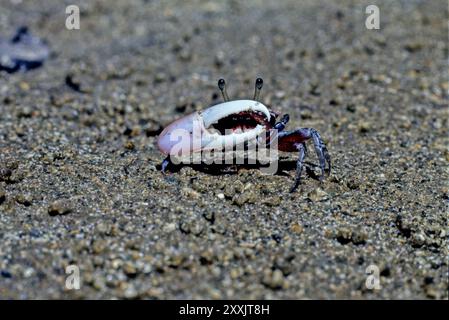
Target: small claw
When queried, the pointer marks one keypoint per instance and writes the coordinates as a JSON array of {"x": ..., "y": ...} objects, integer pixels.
[{"x": 281, "y": 124}]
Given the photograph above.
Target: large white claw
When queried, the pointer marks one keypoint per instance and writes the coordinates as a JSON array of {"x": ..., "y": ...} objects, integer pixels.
[
  {"x": 193, "y": 133},
  {"x": 213, "y": 114},
  {"x": 219, "y": 142}
]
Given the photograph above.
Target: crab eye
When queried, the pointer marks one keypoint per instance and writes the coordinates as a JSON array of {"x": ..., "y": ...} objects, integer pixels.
[
  {"x": 222, "y": 87},
  {"x": 259, "y": 83},
  {"x": 257, "y": 88},
  {"x": 221, "y": 84}
]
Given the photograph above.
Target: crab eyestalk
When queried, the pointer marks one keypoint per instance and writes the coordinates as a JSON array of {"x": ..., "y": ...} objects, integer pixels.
[
  {"x": 222, "y": 87},
  {"x": 257, "y": 88}
]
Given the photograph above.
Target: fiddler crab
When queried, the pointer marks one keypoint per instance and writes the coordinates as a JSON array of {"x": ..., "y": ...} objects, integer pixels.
[{"x": 239, "y": 123}]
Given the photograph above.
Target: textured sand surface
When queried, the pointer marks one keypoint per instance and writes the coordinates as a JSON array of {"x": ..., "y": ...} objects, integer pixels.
[{"x": 79, "y": 178}]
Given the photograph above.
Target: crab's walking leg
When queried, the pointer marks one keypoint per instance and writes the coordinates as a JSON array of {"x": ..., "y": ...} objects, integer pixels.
[
  {"x": 165, "y": 164},
  {"x": 288, "y": 142},
  {"x": 299, "y": 163},
  {"x": 321, "y": 151}
]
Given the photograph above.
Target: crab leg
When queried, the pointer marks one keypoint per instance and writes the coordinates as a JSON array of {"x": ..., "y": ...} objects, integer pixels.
[
  {"x": 321, "y": 151},
  {"x": 288, "y": 141},
  {"x": 299, "y": 163},
  {"x": 165, "y": 164}
]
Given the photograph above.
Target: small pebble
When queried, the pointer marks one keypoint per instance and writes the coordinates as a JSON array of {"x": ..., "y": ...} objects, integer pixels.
[
  {"x": 24, "y": 199},
  {"x": 60, "y": 207},
  {"x": 317, "y": 194},
  {"x": 296, "y": 228},
  {"x": 273, "y": 279}
]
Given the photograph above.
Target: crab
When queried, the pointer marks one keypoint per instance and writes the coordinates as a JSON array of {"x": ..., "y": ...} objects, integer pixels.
[{"x": 237, "y": 122}]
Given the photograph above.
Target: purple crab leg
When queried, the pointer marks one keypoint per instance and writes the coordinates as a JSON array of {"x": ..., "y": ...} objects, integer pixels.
[
  {"x": 299, "y": 164},
  {"x": 322, "y": 153},
  {"x": 165, "y": 164},
  {"x": 289, "y": 140}
]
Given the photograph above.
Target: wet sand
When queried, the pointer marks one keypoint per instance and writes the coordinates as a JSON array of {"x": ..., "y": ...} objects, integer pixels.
[{"x": 79, "y": 169}]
